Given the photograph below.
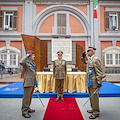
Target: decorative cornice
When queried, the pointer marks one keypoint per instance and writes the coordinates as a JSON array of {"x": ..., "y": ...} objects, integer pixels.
[
  {"x": 74, "y": 37},
  {"x": 12, "y": 1},
  {"x": 115, "y": 3},
  {"x": 61, "y": 2},
  {"x": 11, "y": 37},
  {"x": 109, "y": 37}
]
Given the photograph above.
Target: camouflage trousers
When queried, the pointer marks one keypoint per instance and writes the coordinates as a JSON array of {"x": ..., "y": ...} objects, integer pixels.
[
  {"x": 27, "y": 98},
  {"x": 59, "y": 87},
  {"x": 94, "y": 101}
]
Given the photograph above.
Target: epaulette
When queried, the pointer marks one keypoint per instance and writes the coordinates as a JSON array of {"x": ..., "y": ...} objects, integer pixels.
[{"x": 95, "y": 57}]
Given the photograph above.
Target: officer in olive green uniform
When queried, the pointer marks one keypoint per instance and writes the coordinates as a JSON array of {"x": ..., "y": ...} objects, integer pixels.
[
  {"x": 94, "y": 72},
  {"x": 59, "y": 72},
  {"x": 29, "y": 82}
]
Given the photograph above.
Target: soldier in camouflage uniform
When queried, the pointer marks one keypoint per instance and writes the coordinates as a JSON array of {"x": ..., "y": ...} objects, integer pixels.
[
  {"x": 94, "y": 81},
  {"x": 29, "y": 82},
  {"x": 59, "y": 72}
]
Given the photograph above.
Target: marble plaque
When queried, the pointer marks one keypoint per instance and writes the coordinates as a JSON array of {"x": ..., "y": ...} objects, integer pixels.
[{"x": 64, "y": 45}]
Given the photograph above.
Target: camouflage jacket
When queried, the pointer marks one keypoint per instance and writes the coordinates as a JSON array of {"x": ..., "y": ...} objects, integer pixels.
[
  {"x": 94, "y": 64},
  {"x": 29, "y": 72},
  {"x": 59, "y": 69}
]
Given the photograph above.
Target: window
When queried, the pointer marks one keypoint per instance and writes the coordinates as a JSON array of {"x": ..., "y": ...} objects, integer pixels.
[
  {"x": 8, "y": 17},
  {"x": 8, "y": 20},
  {"x": 112, "y": 59},
  {"x": 112, "y": 20},
  {"x": 9, "y": 57},
  {"x": 61, "y": 23},
  {"x": 117, "y": 59},
  {"x": 109, "y": 59},
  {"x": 13, "y": 59}
]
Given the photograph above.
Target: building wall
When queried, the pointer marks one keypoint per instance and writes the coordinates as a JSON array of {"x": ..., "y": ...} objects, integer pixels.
[
  {"x": 82, "y": 8},
  {"x": 118, "y": 43},
  {"x": 81, "y": 27},
  {"x": 47, "y": 25},
  {"x": 109, "y": 39},
  {"x": 17, "y": 44},
  {"x": 102, "y": 20},
  {"x": 2, "y": 44},
  {"x": 20, "y": 16},
  {"x": 104, "y": 44},
  {"x": 40, "y": 8},
  {"x": 81, "y": 43},
  {"x": 75, "y": 25}
]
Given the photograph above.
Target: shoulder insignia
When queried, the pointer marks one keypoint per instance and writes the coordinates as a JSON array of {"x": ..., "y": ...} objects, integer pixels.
[{"x": 95, "y": 57}]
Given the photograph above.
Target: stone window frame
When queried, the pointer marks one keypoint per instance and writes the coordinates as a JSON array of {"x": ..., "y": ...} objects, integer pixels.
[
  {"x": 107, "y": 14},
  {"x": 15, "y": 52},
  {"x": 111, "y": 50},
  {"x": 14, "y": 20}
]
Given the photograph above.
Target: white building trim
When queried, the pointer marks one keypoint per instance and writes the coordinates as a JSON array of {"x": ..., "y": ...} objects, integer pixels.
[
  {"x": 10, "y": 48},
  {"x": 50, "y": 10},
  {"x": 111, "y": 48}
]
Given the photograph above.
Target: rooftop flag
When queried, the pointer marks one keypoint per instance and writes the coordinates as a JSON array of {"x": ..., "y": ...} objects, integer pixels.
[{"x": 95, "y": 9}]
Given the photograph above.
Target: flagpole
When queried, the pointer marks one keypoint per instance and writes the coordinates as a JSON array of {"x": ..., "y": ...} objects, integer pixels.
[
  {"x": 96, "y": 40},
  {"x": 92, "y": 21}
]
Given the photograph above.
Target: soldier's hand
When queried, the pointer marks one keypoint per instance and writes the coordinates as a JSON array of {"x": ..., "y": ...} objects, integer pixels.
[
  {"x": 84, "y": 54},
  {"x": 29, "y": 54},
  {"x": 99, "y": 85}
]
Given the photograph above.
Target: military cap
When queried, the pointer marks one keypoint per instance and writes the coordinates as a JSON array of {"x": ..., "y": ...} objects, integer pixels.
[
  {"x": 90, "y": 48},
  {"x": 29, "y": 51},
  {"x": 59, "y": 52}
]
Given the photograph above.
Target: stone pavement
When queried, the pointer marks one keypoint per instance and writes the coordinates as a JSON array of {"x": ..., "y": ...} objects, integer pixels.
[
  {"x": 7, "y": 79},
  {"x": 113, "y": 78},
  {"x": 10, "y": 108}
]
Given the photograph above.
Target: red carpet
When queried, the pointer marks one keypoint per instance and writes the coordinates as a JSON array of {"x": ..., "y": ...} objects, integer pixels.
[{"x": 67, "y": 110}]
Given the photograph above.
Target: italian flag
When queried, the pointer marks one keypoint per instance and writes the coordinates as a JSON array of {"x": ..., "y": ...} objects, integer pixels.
[{"x": 95, "y": 9}]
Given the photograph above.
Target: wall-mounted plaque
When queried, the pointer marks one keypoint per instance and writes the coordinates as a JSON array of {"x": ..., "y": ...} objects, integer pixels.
[{"x": 64, "y": 45}]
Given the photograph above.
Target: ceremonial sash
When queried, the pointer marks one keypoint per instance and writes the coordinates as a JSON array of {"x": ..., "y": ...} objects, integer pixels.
[
  {"x": 90, "y": 83},
  {"x": 35, "y": 71}
]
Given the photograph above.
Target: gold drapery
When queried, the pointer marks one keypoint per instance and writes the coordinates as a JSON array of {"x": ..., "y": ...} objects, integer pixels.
[{"x": 75, "y": 81}]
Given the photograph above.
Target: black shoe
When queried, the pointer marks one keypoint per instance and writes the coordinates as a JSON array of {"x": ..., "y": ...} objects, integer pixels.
[
  {"x": 26, "y": 115},
  {"x": 89, "y": 111},
  {"x": 62, "y": 99},
  {"x": 31, "y": 111},
  {"x": 57, "y": 99},
  {"x": 93, "y": 116}
]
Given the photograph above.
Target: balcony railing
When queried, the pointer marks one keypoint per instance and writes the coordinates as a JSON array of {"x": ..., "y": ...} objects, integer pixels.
[{"x": 61, "y": 31}]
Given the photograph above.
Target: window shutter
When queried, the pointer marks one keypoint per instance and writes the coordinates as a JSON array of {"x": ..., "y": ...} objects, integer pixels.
[
  {"x": 59, "y": 20},
  {"x": 61, "y": 23},
  {"x": 63, "y": 19},
  {"x": 106, "y": 20},
  {"x": 119, "y": 20},
  {"x": 15, "y": 15},
  {"x": 1, "y": 19}
]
